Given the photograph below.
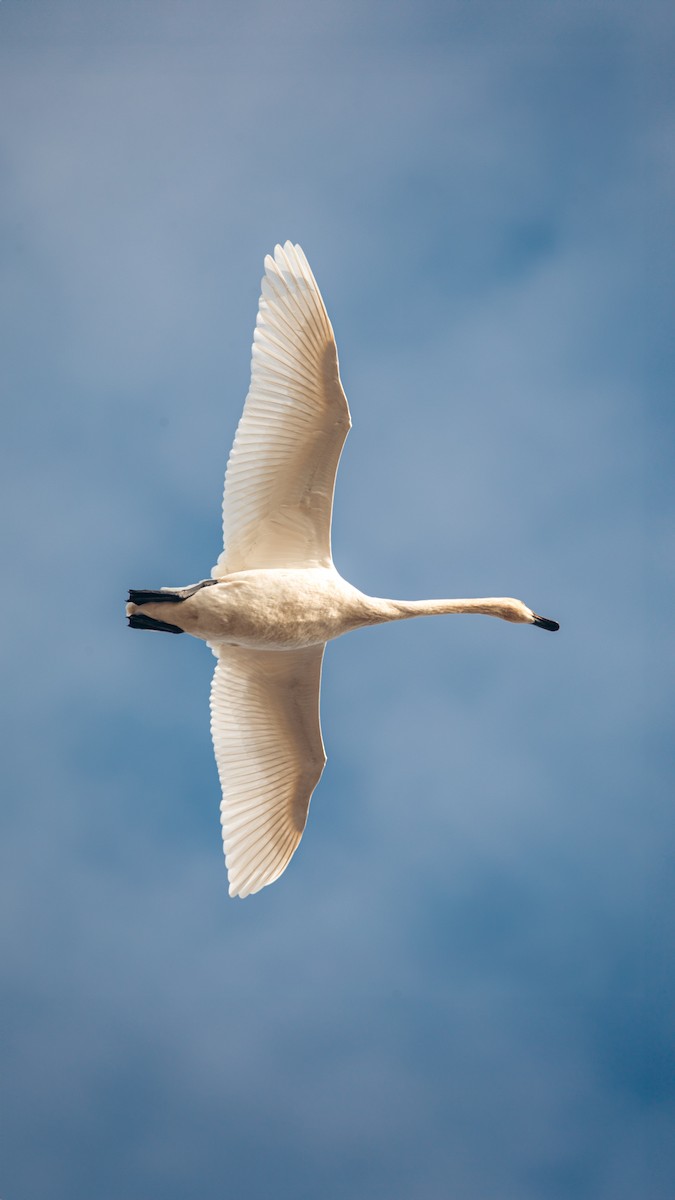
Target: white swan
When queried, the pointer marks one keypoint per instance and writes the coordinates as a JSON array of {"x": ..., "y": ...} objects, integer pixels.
[{"x": 275, "y": 598}]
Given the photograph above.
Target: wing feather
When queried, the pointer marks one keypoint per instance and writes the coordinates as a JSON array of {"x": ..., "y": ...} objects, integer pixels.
[
  {"x": 269, "y": 750},
  {"x": 280, "y": 476}
]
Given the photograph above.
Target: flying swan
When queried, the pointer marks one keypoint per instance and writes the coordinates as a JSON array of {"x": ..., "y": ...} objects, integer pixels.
[{"x": 275, "y": 597}]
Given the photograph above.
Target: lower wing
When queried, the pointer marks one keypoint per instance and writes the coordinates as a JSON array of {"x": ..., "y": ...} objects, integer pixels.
[{"x": 269, "y": 750}]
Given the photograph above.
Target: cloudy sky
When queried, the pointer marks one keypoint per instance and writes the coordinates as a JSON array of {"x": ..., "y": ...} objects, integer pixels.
[{"x": 462, "y": 986}]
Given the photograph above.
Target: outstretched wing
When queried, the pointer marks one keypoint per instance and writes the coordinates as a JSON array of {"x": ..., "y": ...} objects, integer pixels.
[
  {"x": 281, "y": 472},
  {"x": 267, "y": 738}
]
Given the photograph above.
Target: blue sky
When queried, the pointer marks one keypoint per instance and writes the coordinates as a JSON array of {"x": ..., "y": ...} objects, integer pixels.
[{"x": 462, "y": 987}]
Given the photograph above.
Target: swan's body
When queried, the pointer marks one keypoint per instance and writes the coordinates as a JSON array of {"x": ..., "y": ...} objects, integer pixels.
[
  {"x": 275, "y": 598},
  {"x": 282, "y": 608}
]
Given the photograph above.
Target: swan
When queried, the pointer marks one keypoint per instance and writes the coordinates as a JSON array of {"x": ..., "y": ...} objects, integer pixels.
[{"x": 274, "y": 597}]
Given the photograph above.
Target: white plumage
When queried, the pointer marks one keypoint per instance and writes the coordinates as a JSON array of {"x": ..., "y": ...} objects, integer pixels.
[
  {"x": 281, "y": 473},
  {"x": 275, "y": 598},
  {"x": 270, "y": 755}
]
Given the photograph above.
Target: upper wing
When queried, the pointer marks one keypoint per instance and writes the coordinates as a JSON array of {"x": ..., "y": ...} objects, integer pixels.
[
  {"x": 270, "y": 755},
  {"x": 281, "y": 471}
]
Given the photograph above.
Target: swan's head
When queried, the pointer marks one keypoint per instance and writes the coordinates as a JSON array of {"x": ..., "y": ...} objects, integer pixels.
[
  {"x": 533, "y": 618},
  {"x": 519, "y": 613}
]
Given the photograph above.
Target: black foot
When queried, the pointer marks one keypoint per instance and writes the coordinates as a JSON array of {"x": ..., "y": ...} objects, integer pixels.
[
  {"x": 168, "y": 596},
  {"x": 140, "y": 621},
  {"x": 154, "y": 597}
]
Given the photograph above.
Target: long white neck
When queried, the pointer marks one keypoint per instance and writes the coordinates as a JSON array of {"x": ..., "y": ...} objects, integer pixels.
[{"x": 504, "y": 607}]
